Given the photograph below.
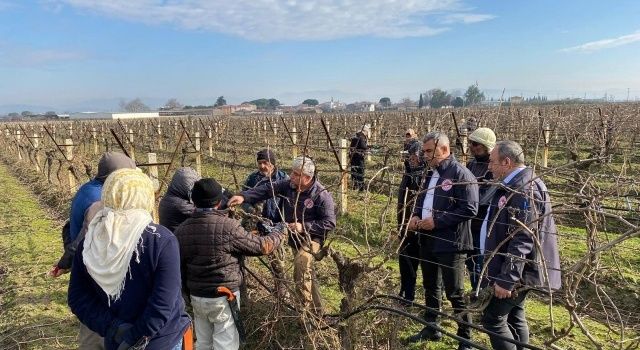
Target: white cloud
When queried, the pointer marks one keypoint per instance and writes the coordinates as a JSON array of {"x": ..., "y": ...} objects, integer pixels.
[
  {"x": 30, "y": 57},
  {"x": 466, "y": 18},
  {"x": 605, "y": 43},
  {"x": 274, "y": 20}
]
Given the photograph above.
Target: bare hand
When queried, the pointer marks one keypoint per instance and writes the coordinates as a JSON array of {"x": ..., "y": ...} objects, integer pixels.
[
  {"x": 56, "y": 272},
  {"x": 413, "y": 223},
  {"x": 426, "y": 224},
  {"x": 500, "y": 292},
  {"x": 235, "y": 200},
  {"x": 295, "y": 227}
]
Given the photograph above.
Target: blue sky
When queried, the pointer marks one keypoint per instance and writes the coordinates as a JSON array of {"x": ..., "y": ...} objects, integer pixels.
[{"x": 68, "y": 54}]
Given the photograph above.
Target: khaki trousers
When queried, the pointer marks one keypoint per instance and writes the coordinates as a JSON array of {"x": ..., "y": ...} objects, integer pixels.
[{"x": 305, "y": 278}]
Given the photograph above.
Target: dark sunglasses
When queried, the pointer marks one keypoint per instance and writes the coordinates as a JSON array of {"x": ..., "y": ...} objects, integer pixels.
[{"x": 473, "y": 143}]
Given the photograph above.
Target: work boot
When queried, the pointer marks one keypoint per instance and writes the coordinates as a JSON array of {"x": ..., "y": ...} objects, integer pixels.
[{"x": 427, "y": 333}]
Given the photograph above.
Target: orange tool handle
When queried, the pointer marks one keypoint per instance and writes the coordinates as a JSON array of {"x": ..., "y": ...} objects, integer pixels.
[{"x": 227, "y": 292}]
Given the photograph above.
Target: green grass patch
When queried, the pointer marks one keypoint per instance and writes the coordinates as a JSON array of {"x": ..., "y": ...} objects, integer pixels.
[{"x": 33, "y": 311}]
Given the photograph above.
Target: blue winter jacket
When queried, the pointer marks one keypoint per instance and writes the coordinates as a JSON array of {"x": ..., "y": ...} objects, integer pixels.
[
  {"x": 271, "y": 208},
  {"x": 514, "y": 258},
  {"x": 314, "y": 208},
  {"x": 151, "y": 299},
  {"x": 87, "y": 194}
]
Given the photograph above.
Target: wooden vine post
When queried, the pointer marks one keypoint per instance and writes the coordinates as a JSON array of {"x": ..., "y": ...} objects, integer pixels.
[
  {"x": 210, "y": 141},
  {"x": 18, "y": 138},
  {"x": 294, "y": 141},
  {"x": 68, "y": 151},
  {"x": 36, "y": 145},
  {"x": 153, "y": 170},
  {"x": 159, "y": 132},
  {"x": 132, "y": 150},
  {"x": 344, "y": 182},
  {"x": 198, "y": 153},
  {"x": 547, "y": 138},
  {"x": 94, "y": 137}
]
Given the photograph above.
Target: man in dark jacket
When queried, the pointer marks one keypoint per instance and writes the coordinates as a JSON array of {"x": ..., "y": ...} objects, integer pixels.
[
  {"x": 482, "y": 141},
  {"x": 308, "y": 210},
  {"x": 357, "y": 151},
  {"x": 409, "y": 254},
  {"x": 447, "y": 202},
  {"x": 520, "y": 233},
  {"x": 211, "y": 248},
  {"x": 176, "y": 206},
  {"x": 267, "y": 173}
]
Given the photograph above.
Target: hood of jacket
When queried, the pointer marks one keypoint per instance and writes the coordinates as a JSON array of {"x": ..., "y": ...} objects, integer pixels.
[{"x": 182, "y": 182}]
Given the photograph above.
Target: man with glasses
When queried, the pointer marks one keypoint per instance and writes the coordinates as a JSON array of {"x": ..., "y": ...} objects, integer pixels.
[
  {"x": 520, "y": 242},
  {"x": 447, "y": 202},
  {"x": 482, "y": 142}
]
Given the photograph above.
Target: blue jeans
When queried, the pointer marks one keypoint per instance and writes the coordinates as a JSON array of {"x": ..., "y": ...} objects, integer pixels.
[{"x": 178, "y": 346}]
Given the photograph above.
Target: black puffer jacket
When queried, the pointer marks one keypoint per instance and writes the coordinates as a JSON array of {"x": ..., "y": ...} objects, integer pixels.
[
  {"x": 211, "y": 249},
  {"x": 176, "y": 206}
]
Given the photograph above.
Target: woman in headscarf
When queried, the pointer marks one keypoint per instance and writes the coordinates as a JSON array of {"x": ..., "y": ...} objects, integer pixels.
[{"x": 125, "y": 279}]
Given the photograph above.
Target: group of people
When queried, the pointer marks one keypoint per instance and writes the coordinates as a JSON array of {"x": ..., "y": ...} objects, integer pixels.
[
  {"x": 493, "y": 215},
  {"x": 132, "y": 279}
]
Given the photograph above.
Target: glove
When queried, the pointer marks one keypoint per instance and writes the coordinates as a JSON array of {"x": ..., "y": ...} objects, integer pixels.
[
  {"x": 124, "y": 346},
  {"x": 281, "y": 227},
  {"x": 117, "y": 333}
]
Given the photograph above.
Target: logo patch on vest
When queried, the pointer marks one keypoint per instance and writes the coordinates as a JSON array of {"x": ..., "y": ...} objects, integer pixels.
[
  {"x": 446, "y": 185},
  {"x": 308, "y": 203},
  {"x": 502, "y": 201}
]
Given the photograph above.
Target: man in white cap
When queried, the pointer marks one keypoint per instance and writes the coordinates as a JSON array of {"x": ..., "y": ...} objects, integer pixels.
[{"x": 482, "y": 141}]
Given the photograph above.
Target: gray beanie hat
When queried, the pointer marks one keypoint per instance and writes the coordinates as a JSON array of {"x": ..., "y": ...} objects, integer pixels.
[{"x": 112, "y": 161}]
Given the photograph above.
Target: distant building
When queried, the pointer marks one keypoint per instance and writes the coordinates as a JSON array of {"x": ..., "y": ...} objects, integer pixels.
[
  {"x": 191, "y": 112},
  {"x": 91, "y": 115},
  {"x": 244, "y": 108},
  {"x": 516, "y": 99},
  {"x": 361, "y": 107}
]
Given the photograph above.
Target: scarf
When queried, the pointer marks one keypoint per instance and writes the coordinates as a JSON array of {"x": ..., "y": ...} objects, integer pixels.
[{"x": 115, "y": 233}]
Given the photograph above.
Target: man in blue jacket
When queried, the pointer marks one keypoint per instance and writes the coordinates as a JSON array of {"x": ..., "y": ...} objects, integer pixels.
[
  {"x": 518, "y": 233},
  {"x": 308, "y": 210},
  {"x": 444, "y": 208},
  {"x": 267, "y": 173}
]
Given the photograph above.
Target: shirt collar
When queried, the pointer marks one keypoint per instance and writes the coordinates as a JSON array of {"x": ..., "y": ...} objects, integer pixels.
[{"x": 513, "y": 174}]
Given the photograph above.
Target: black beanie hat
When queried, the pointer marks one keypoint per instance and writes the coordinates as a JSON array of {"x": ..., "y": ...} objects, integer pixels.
[
  {"x": 206, "y": 193},
  {"x": 268, "y": 155}
]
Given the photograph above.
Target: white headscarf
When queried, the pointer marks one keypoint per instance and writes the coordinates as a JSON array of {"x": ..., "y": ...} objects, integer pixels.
[{"x": 114, "y": 233}]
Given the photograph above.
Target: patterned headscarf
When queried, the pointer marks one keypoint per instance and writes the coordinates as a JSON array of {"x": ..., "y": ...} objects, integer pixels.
[
  {"x": 115, "y": 232},
  {"x": 127, "y": 189}
]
